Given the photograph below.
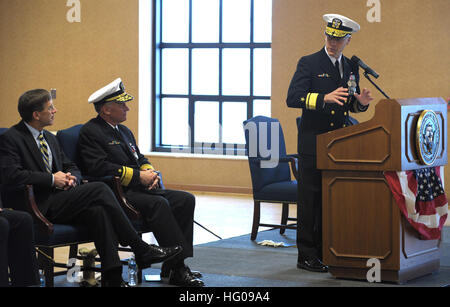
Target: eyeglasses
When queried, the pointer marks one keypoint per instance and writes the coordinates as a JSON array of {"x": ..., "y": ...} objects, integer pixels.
[{"x": 51, "y": 107}]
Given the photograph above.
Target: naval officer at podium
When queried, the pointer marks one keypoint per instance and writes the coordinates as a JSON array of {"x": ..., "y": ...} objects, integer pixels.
[{"x": 326, "y": 87}]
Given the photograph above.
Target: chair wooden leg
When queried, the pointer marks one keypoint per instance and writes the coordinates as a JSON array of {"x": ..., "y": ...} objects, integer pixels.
[
  {"x": 73, "y": 251},
  {"x": 256, "y": 218},
  {"x": 284, "y": 217}
]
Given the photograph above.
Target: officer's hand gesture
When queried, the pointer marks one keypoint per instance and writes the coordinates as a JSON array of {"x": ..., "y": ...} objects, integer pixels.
[
  {"x": 365, "y": 97},
  {"x": 338, "y": 96}
]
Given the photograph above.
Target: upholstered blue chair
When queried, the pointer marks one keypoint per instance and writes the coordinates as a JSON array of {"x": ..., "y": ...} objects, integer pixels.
[
  {"x": 68, "y": 139},
  {"x": 269, "y": 169},
  {"x": 49, "y": 236}
]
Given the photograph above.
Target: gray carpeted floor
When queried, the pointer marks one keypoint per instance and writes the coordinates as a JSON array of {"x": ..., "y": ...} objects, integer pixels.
[
  {"x": 253, "y": 265},
  {"x": 239, "y": 262}
]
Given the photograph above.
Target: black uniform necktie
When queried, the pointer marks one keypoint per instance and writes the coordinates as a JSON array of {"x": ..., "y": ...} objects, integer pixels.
[{"x": 336, "y": 65}]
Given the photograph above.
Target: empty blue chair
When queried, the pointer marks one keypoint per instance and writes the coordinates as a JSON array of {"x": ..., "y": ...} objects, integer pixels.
[{"x": 269, "y": 169}]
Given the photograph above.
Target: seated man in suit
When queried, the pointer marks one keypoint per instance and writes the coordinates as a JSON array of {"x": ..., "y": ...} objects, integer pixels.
[
  {"x": 17, "y": 249},
  {"x": 107, "y": 148},
  {"x": 31, "y": 155}
]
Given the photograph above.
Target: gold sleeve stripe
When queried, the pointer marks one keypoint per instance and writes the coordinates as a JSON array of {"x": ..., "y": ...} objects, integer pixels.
[
  {"x": 146, "y": 167},
  {"x": 311, "y": 101},
  {"x": 127, "y": 175}
]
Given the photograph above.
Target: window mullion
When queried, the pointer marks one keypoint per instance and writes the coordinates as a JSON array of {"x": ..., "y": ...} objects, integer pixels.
[
  {"x": 191, "y": 100},
  {"x": 250, "y": 101},
  {"x": 220, "y": 68}
]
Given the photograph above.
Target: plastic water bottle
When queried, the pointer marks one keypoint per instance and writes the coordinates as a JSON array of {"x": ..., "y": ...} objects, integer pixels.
[
  {"x": 41, "y": 278},
  {"x": 132, "y": 272}
]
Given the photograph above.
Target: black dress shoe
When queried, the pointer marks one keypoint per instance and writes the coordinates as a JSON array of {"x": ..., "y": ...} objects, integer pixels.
[
  {"x": 195, "y": 274},
  {"x": 155, "y": 254},
  {"x": 114, "y": 283},
  {"x": 181, "y": 277},
  {"x": 113, "y": 278},
  {"x": 165, "y": 272},
  {"x": 312, "y": 264}
]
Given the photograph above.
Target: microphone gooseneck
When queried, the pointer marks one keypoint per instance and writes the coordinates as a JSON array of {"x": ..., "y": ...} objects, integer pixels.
[{"x": 364, "y": 66}]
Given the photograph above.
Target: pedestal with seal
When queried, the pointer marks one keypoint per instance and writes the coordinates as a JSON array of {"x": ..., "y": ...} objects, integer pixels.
[{"x": 361, "y": 217}]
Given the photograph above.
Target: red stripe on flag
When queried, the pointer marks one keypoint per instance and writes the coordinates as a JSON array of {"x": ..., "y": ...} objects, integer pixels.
[{"x": 412, "y": 182}]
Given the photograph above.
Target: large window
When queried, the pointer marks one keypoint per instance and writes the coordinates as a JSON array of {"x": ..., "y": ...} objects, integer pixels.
[{"x": 212, "y": 70}]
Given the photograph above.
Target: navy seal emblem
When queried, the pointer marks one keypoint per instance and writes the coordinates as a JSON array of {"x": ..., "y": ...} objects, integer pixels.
[{"x": 428, "y": 137}]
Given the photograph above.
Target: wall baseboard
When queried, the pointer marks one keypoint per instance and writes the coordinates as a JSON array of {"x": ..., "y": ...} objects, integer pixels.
[{"x": 210, "y": 188}]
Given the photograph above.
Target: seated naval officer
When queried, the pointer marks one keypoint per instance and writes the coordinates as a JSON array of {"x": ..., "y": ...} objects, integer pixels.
[{"x": 108, "y": 148}]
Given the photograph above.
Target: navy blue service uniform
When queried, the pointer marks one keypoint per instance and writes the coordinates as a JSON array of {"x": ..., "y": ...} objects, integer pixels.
[{"x": 315, "y": 77}]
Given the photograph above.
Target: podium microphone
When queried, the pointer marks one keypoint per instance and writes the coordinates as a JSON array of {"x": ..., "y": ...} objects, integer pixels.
[{"x": 363, "y": 65}]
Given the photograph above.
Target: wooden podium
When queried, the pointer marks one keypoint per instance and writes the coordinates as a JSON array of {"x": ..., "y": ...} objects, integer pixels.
[{"x": 361, "y": 219}]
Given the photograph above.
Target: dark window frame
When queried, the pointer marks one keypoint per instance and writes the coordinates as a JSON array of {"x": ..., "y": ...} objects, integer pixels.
[{"x": 157, "y": 95}]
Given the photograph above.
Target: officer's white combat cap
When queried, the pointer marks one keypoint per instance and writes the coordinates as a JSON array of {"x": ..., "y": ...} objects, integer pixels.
[
  {"x": 113, "y": 92},
  {"x": 340, "y": 26}
]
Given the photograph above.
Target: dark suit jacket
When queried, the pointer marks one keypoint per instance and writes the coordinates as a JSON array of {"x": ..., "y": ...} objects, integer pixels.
[
  {"x": 316, "y": 76},
  {"x": 21, "y": 164},
  {"x": 106, "y": 152}
]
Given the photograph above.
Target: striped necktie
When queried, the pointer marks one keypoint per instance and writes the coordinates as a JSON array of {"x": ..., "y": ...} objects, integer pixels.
[{"x": 44, "y": 151}]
